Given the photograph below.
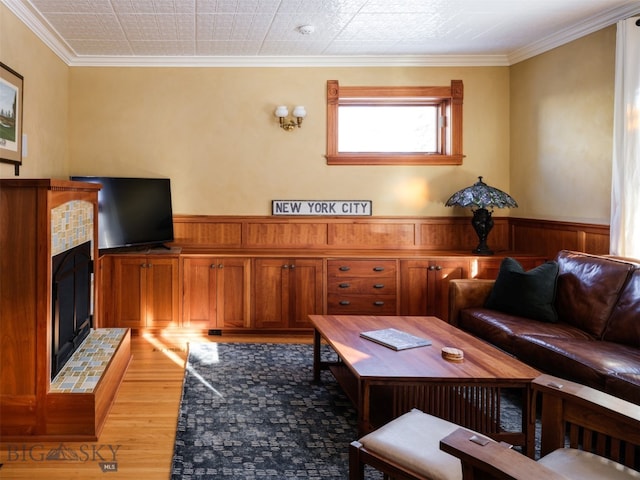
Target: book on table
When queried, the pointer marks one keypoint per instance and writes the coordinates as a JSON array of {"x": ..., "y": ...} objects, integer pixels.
[{"x": 395, "y": 339}]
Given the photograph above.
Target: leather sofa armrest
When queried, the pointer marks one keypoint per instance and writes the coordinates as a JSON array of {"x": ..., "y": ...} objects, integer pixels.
[{"x": 467, "y": 293}]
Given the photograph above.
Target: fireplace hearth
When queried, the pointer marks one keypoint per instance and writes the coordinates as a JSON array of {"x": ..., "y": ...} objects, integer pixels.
[{"x": 71, "y": 305}]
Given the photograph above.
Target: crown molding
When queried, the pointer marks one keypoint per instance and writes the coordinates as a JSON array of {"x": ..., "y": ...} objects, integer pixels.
[
  {"x": 295, "y": 61},
  {"x": 605, "y": 19},
  {"x": 41, "y": 28}
]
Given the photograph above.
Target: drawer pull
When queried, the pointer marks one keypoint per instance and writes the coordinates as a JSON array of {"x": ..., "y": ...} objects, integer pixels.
[
  {"x": 379, "y": 285},
  {"x": 378, "y": 269},
  {"x": 345, "y": 302},
  {"x": 344, "y": 268},
  {"x": 344, "y": 285},
  {"x": 379, "y": 303}
]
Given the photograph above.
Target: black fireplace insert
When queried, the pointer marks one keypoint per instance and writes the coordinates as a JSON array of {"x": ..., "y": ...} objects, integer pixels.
[{"x": 71, "y": 306}]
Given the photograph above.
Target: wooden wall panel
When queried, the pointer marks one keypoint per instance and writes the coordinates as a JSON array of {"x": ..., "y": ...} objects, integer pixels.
[
  {"x": 373, "y": 235},
  {"x": 441, "y": 234},
  {"x": 458, "y": 234},
  {"x": 268, "y": 235},
  {"x": 547, "y": 237},
  {"x": 198, "y": 230}
]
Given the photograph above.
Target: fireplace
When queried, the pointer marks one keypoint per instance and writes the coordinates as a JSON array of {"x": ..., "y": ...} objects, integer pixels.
[{"x": 71, "y": 305}]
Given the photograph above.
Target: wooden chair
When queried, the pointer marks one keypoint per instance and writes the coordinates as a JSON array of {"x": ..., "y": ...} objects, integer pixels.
[
  {"x": 586, "y": 434},
  {"x": 602, "y": 434}
]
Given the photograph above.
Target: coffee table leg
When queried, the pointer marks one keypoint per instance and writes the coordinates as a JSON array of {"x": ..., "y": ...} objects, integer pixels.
[{"x": 316, "y": 356}]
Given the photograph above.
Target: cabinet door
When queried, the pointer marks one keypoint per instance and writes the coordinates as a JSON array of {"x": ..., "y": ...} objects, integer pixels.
[
  {"x": 305, "y": 291},
  {"x": 233, "y": 290},
  {"x": 270, "y": 292},
  {"x": 424, "y": 285},
  {"x": 162, "y": 305},
  {"x": 199, "y": 292},
  {"x": 129, "y": 287},
  {"x": 442, "y": 273}
]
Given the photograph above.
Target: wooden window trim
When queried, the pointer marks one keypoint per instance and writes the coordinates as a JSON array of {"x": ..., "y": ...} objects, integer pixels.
[{"x": 451, "y": 95}]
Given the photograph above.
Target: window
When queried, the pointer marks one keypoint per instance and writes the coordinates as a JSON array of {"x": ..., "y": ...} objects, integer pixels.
[{"x": 394, "y": 125}]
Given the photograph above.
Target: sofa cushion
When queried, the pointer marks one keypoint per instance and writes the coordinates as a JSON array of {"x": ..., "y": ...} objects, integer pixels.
[
  {"x": 625, "y": 385},
  {"x": 501, "y": 329},
  {"x": 589, "y": 362},
  {"x": 574, "y": 463},
  {"x": 413, "y": 441},
  {"x": 528, "y": 294},
  {"x": 588, "y": 288},
  {"x": 624, "y": 324}
]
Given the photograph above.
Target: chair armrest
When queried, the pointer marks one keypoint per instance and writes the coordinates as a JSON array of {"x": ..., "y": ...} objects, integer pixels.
[
  {"x": 493, "y": 460},
  {"x": 467, "y": 293},
  {"x": 606, "y": 419}
]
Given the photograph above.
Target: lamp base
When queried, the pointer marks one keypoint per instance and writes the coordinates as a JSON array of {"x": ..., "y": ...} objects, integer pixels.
[
  {"x": 482, "y": 222},
  {"x": 482, "y": 251}
]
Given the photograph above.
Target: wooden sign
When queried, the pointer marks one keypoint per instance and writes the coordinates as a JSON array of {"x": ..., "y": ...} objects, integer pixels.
[{"x": 348, "y": 208}]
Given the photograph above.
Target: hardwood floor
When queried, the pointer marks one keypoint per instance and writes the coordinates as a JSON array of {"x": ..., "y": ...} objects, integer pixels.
[{"x": 139, "y": 433}]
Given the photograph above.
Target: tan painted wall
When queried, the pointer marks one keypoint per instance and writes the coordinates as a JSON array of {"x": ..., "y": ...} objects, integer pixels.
[
  {"x": 46, "y": 99},
  {"x": 561, "y": 131},
  {"x": 540, "y": 129},
  {"x": 213, "y": 132}
]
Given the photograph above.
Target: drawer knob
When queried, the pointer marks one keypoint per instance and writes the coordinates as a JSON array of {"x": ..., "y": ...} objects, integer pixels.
[
  {"x": 379, "y": 285},
  {"x": 379, "y": 303},
  {"x": 344, "y": 285},
  {"x": 345, "y": 302},
  {"x": 344, "y": 268},
  {"x": 378, "y": 269}
]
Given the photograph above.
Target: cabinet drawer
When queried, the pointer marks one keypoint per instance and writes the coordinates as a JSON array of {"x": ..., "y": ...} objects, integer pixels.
[
  {"x": 361, "y": 268},
  {"x": 361, "y": 304},
  {"x": 349, "y": 285}
]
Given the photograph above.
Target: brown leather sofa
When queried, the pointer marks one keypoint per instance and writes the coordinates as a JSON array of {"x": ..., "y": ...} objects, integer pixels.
[{"x": 596, "y": 339}]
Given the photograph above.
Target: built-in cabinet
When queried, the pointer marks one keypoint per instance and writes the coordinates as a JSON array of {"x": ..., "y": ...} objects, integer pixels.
[
  {"x": 361, "y": 286},
  {"x": 286, "y": 291},
  {"x": 261, "y": 292},
  {"x": 144, "y": 290},
  {"x": 424, "y": 285},
  {"x": 215, "y": 292}
]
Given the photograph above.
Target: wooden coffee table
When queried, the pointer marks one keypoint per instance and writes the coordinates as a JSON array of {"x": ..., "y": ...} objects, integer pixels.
[{"x": 384, "y": 383}]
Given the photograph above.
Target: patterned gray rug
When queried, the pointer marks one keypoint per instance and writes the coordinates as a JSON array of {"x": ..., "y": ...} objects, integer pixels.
[{"x": 250, "y": 411}]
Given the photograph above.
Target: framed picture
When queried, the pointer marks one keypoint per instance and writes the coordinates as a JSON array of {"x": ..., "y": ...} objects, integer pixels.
[{"x": 10, "y": 116}]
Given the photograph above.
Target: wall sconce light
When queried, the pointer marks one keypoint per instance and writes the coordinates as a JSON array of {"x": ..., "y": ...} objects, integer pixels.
[{"x": 298, "y": 112}]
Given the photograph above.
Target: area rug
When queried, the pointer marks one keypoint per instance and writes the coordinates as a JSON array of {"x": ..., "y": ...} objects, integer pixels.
[{"x": 250, "y": 411}]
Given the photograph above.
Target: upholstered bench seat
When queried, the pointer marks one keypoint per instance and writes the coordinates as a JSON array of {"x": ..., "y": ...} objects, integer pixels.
[
  {"x": 413, "y": 441},
  {"x": 575, "y": 463}
]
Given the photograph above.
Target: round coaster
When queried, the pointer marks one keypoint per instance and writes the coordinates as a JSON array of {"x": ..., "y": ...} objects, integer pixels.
[{"x": 452, "y": 354}]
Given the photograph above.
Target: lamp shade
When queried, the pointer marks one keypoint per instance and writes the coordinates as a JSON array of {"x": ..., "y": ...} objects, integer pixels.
[
  {"x": 299, "y": 112},
  {"x": 481, "y": 195},
  {"x": 281, "y": 111}
]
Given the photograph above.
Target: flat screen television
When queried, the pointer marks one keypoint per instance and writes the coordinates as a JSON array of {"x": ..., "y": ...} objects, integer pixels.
[{"x": 133, "y": 212}]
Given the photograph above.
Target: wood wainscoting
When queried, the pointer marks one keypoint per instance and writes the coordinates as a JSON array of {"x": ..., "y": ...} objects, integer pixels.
[
  {"x": 546, "y": 237},
  {"x": 433, "y": 234}
]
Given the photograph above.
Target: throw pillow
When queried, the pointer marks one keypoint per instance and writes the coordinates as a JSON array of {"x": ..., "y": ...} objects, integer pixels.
[{"x": 525, "y": 294}]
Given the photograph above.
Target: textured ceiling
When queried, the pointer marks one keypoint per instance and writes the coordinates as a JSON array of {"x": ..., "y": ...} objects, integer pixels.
[{"x": 356, "y": 31}]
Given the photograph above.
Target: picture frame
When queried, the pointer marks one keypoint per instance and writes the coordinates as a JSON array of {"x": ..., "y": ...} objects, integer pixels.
[{"x": 11, "y": 109}]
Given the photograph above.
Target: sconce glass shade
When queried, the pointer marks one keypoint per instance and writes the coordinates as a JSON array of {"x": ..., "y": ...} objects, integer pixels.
[
  {"x": 281, "y": 111},
  {"x": 299, "y": 112},
  {"x": 481, "y": 195}
]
